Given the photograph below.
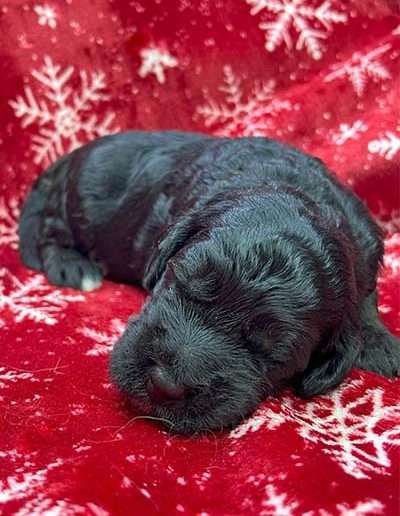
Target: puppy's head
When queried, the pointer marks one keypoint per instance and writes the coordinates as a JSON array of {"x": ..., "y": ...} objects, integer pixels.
[{"x": 233, "y": 317}]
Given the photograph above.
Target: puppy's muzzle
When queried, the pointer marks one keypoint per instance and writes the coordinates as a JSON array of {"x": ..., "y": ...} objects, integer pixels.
[{"x": 162, "y": 389}]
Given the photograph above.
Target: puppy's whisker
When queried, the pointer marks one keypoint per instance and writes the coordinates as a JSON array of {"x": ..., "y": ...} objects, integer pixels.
[{"x": 137, "y": 418}]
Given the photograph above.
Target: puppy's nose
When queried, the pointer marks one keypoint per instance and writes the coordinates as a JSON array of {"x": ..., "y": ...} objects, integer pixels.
[{"x": 161, "y": 389}]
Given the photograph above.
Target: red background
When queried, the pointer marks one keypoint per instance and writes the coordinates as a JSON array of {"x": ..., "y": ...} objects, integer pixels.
[{"x": 326, "y": 81}]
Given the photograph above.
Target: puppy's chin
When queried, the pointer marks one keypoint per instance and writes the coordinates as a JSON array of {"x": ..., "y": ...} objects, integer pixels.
[
  {"x": 190, "y": 426},
  {"x": 186, "y": 419},
  {"x": 140, "y": 407},
  {"x": 185, "y": 422}
]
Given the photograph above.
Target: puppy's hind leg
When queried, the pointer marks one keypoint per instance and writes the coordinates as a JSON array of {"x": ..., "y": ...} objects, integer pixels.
[
  {"x": 69, "y": 268},
  {"x": 62, "y": 263},
  {"x": 45, "y": 238},
  {"x": 381, "y": 349}
]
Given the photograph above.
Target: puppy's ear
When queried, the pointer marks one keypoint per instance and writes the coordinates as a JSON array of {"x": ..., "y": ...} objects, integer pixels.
[
  {"x": 330, "y": 363},
  {"x": 171, "y": 242}
]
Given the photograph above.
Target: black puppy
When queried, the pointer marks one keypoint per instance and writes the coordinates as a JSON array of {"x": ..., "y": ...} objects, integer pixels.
[{"x": 262, "y": 268}]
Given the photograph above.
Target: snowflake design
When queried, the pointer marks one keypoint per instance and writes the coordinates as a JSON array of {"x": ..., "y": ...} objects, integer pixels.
[
  {"x": 30, "y": 484},
  {"x": 391, "y": 258},
  {"x": 155, "y": 60},
  {"x": 354, "y": 439},
  {"x": 389, "y": 220},
  {"x": 276, "y": 503},
  {"x": 33, "y": 299},
  {"x": 63, "y": 115},
  {"x": 387, "y": 145},
  {"x": 41, "y": 504},
  {"x": 360, "y": 68},
  {"x": 348, "y": 132},
  {"x": 367, "y": 508},
  {"x": 203, "y": 6},
  {"x": 22, "y": 485},
  {"x": 251, "y": 116},
  {"x": 184, "y": 4},
  {"x": 104, "y": 341},
  {"x": 8, "y": 376},
  {"x": 306, "y": 20},
  {"x": 46, "y": 15},
  {"x": 396, "y": 31},
  {"x": 270, "y": 417},
  {"x": 9, "y": 216}
]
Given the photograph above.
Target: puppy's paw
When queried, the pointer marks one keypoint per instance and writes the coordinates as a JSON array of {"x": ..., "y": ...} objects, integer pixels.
[
  {"x": 90, "y": 282},
  {"x": 68, "y": 268}
]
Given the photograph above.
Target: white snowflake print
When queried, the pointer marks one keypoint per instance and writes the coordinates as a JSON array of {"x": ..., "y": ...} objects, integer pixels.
[
  {"x": 184, "y": 4},
  {"x": 8, "y": 376},
  {"x": 387, "y": 145},
  {"x": 270, "y": 418},
  {"x": 9, "y": 215},
  {"x": 27, "y": 484},
  {"x": 348, "y": 132},
  {"x": 43, "y": 505},
  {"x": 155, "y": 60},
  {"x": 46, "y": 15},
  {"x": 30, "y": 484},
  {"x": 354, "y": 439},
  {"x": 391, "y": 258},
  {"x": 360, "y": 68},
  {"x": 62, "y": 114},
  {"x": 366, "y": 508},
  {"x": 276, "y": 503},
  {"x": 252, "y": 115},
  {"x": 388, "y": 219},
  {"x": 396, "y": 31},
  {"x": 311, "y": 23},
  {"x": 104, "y": 340},
  {"x": 33, "y": 299}
]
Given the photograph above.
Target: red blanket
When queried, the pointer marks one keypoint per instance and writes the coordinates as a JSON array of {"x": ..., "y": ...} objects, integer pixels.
[{"x": 323, "y": 75}]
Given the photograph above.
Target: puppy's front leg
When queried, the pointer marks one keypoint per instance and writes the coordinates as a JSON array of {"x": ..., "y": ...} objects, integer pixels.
[{"x": 381, "y": 349}]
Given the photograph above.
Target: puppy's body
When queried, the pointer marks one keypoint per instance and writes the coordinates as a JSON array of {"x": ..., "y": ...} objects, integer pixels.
[
  {"x": 126, "y": 189},
  {"x": 252, "y": 248}
]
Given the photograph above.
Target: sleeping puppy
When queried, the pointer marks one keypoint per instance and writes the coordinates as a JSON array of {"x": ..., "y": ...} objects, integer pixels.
[{"x": 262, "y": 268}]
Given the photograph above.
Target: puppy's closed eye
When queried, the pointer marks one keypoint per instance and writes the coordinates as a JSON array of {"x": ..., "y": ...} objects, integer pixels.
[
  {"x": 204, "y": 286},
  {"x": 261, "y": 332},
  {"x": 156, "y": 332},
  {"x": 158, "y": 329},
  {"x": 206, "y": 277}
]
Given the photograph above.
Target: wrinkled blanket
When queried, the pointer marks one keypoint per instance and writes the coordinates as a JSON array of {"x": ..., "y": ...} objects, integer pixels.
[{"x": 322, "y": 75}]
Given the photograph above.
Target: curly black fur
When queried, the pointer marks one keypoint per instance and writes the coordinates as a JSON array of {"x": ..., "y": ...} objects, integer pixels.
[{"x": 262, "y": 268}]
